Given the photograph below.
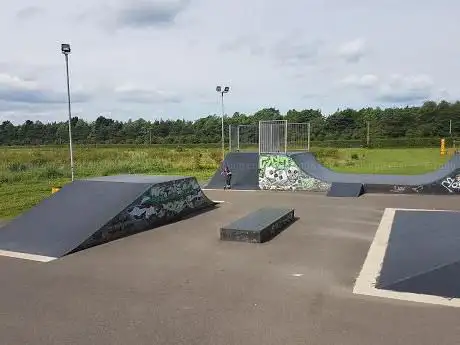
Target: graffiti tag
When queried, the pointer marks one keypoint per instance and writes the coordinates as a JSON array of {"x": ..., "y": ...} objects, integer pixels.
[
  {"x": 417, "y": 189},
  {"x": 398, "y": 189},
  {"x": 403, "y": 189},
  {"x": 452, "y": 184}
]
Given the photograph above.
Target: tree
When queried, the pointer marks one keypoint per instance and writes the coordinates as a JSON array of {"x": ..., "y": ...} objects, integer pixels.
[{"x": 430, "y": 120}]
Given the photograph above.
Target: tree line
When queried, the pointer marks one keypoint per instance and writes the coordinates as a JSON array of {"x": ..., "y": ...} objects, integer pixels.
[{"x": 430, "y": 121}]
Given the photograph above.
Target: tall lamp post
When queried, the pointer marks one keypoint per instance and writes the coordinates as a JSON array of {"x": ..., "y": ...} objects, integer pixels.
[
  {"x": 65, "y": 49},
  {"x": 226, "y": 89}
]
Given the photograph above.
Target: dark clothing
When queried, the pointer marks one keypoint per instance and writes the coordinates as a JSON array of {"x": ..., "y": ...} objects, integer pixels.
[{"x": 228, "y": 178}]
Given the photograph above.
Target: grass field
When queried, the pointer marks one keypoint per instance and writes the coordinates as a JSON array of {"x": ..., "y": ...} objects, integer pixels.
[{"x": 27, "y": 174}]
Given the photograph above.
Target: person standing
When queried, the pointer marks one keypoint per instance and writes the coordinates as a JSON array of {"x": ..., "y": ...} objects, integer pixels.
[{"x": 228, "y": 177}]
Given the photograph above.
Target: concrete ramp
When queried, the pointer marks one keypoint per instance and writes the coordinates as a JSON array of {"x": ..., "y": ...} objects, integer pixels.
[
  {"x": 423, "y": 254},
  {"x": 445, "y": 180},
  {"x": 87, "y": 213},
  {"x": 302, "y": 172},
  {"x": 259, "y": 226},
  {"x": 340, "y": 189},
  {"x": 245, "y": 172},
  {"x": 414, "y": 256}
]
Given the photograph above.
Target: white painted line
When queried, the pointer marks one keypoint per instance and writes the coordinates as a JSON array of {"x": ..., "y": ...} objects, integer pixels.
[
  {"x": 26, "y": 256},
  {"x": 424, "y": 210},
  {"x": 366, "y": 281},
  {"x": 218, "y": 201},
  {"x": 233, "y": 190}
]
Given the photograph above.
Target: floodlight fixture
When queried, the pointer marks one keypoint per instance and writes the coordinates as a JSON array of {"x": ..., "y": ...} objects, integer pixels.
[
  {"x": 65, "y": 48},
  {"x": 226, "y": 89}
]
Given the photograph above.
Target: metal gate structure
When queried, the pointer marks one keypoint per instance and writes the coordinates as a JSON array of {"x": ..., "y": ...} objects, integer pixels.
[
  {"x": 232, "y": 137},
  {"x": 243, "y": 137},
  {"x": 273, "y": 136},
  {"x": 298, "y": 136},
  {"x": 270, "y": 136}
]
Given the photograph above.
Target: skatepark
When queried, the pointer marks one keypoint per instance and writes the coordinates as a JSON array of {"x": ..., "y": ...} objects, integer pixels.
[
  {"x": 180, "y": 284},
  {"x": 278, "y": 259}
]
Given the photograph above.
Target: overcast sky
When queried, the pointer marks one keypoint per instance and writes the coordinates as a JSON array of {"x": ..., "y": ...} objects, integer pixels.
[{"x": 164, "y": 58}]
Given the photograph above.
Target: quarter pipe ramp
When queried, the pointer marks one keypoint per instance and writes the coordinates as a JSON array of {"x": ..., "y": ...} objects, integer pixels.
[
  {"x": 244, "y": 167},
  {"x": 86, "y": 213}
]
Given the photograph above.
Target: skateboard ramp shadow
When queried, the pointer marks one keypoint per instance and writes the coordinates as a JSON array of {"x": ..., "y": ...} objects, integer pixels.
[{"x": 86, "y": 213}]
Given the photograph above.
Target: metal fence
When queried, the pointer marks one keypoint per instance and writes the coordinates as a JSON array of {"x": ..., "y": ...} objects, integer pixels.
[
  {"x": 273, "y": 136},
  {"x": 243, "y": 137},
  {"x": 270, "y": 136},
  {"x": 298, "y": 136}
]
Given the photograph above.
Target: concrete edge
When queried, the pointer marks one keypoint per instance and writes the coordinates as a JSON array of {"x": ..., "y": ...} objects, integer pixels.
[
  {"x": 231, "y": 190},
  {"x": 367, "y": 278},
  {"x": 26, "y": 256}
]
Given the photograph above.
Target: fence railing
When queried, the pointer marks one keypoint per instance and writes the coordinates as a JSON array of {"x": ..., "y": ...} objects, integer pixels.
[
  {"x": 298, "y": 138},
  {"x": 270, "y": 136}
]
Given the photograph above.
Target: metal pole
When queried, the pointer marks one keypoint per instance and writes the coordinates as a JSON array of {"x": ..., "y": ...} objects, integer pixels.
[
  {"x": 450, "y": 127},
  {"x": 368, "y": 133},
  {"x": 70, "y": 116},
  {"x": 271, "y": 143},
  {"x": 259, "y": 135},
  {"x": 230, "y": 138},
  {"x": 308, "y": 137},
  {"x": 238, "y": 138},
  {"x": 223, "y": 143},
  {"x": 285, "y": 136}
]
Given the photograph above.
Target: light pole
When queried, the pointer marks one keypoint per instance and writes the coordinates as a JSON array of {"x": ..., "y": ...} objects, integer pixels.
[
  {"x": 65, "y": 49},
  {"x": 226, "y": 89}
]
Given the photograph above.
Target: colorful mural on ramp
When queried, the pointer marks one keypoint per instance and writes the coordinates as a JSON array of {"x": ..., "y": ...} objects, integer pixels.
[
  {"x": 86, "y": 213},
  {"x": 280, "y": 172},
  {"x": 162, "y": 203}
]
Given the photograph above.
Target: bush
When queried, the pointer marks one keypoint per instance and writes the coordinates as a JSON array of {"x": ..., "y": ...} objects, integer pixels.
[
  {"x": 17, "y": 167},
  {"x": 322, "y": 153},
  {"x": 51, "y": 172}
]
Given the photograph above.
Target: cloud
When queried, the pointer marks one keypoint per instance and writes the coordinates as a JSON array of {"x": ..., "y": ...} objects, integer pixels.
[
  {"x": 364, "y": 81},
  {"x": 291, "y": 52},
  {"x": 144, "y": 14},
  {"x": 130, "y": 93},
  {"x": 269, "y": 54},
  {"x": 288, "y": 50},
  {"x": 352, "y": 51},
  {"x": 406, "y": 89},
  {"x": 395, "y": 89},
  {"x": 16, "y": 90},
  {"x": 244, "y": 42},
  {"x": 29, "y": 12}
]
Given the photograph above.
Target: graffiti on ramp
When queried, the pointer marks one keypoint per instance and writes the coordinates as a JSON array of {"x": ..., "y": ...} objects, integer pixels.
[{"x": 280, "y": 172}]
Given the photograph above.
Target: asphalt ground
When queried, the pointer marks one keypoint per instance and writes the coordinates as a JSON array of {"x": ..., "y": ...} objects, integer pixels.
[{"x": 179, "y": 284}]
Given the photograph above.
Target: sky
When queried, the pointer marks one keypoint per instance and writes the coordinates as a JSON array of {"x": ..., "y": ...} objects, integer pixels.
[{"x": 164, "y": 58}]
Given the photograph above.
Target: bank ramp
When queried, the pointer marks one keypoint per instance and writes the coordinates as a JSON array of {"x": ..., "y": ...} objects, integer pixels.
[{"x": 86, "y": 213}]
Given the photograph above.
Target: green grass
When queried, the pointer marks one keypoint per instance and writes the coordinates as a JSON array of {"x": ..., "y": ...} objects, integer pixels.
[
  {"x": 382, "y": 161},
  {"x": 27, "y": 174}
]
